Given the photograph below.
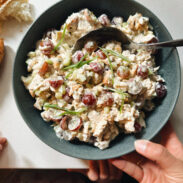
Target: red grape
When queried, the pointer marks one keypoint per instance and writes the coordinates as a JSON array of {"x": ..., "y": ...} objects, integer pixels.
[
  {"x": 161, "y": 90},
  {"x": 101, "y": 54},
  {"x": 78, "y": 55},
  {"x": 142, "y": 71},
  {"x": 137, "y": 127},
  {"x": 90, "y": 46},
  {"x": 67, "y": 97},
  {"x": 63, "y": 123},
  {"x": 56, "y": 84},
  {"x": 89, "y": 99},
  {"x": 46, "y": 47},
  {"x": 96, "y": 67}
]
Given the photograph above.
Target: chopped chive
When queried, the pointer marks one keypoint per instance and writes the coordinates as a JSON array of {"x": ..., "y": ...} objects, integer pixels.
[
  {"x": 75, "y": 65},
  {"x": 80, "y": 65},
  {"x": 85, "y": 62},
  {"x": 116, "y": 91},
  {"x": 122, "y": 104},
  {"x": 70, "y": 72},
  {"x": 114, "y": 53},
  {"x": 66, "y": 111},
  {"x": 123, "y": 95},
  {"x": 61, "y": 40},
  {"x": 110, "y": 64}
]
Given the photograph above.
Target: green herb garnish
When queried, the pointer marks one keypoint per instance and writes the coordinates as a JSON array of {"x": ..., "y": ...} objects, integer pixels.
[
  {"x": 66, "y": 111},
  {"x": 77, "y": 65},
  {"x": 61, "y": 40},
  {"x": 110, "y": 63},
  {"x": 123, "y": 95},
  {"x": 122, "y": 104},
  {"x": 114, "y": 53}
]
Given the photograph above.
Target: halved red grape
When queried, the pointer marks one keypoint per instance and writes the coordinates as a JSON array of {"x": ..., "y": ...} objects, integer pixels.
[
  {"x": 56, "y": 84},
  {"x": 78, "y": 55},
  {"x": 89, "y": 99},
  {"x": 101, "y": 54},
  {"x": 75, "y": 123},
  {"x": 67, "y": 97},
  {"x": 96, "y": 67},
  {"x": 104, "y": 20},
  {"x": 90, "y": 46},
  {"x": 137, "y": 127},
  {"x": 153, "y": 40},
  {"x": 109, "y": 100},
  {"x": 161, "y": 90},
  {"x": 142, "y": 71},
  {"x": 64, "y": 123},
  {"x": 46, "y": 47}
]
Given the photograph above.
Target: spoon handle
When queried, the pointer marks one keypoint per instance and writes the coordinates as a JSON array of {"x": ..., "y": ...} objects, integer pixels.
[{"x": 172, "y": 43}]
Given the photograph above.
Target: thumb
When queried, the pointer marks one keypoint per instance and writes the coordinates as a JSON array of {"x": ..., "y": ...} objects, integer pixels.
[{"x": 155, "y": 152}]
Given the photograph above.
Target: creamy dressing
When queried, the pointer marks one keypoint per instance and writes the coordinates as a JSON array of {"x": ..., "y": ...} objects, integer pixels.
[{"x": 103, "y": 100}]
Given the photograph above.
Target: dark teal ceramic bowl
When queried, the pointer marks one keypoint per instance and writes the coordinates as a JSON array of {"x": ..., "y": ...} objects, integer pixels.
[{"x": 168, "y": 60}]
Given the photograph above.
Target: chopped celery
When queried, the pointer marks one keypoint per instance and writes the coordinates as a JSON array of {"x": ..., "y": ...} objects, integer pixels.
[{"x": 49, "y": 62}]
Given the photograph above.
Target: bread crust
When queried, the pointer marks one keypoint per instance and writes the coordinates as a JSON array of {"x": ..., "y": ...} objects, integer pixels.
[
  {"x": 6, "y": 4},
  {"x": 3, "y": 4},
  {"x": 1, "y": 49}
]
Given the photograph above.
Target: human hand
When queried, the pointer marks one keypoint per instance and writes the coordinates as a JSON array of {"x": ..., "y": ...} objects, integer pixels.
[
  {"x": 101, "y": 170},
  {"x": 2, "y": 143},
  {"x": 162, "y": 163}
]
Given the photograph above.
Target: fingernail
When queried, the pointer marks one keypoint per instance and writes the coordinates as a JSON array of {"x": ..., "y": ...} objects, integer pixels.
[{"x": 141, "y": 145}]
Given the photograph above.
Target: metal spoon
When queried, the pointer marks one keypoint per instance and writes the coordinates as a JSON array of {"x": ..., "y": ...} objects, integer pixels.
[{"x": 106, "y": 34}]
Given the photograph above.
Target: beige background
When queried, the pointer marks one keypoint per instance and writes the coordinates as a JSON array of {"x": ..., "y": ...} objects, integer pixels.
[{"x": 24, "y": 149}]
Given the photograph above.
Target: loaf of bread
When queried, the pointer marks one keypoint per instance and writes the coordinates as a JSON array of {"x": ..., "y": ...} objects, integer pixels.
[
  {"x": 17, "y": 9},
  {"x": 1, "y": 49}
]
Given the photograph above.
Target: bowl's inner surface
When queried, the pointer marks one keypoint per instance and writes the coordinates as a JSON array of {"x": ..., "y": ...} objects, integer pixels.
[{"x": 54, "y": 18}]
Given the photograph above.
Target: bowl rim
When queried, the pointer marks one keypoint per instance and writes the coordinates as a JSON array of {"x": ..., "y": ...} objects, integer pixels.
[{"x": 78, "y": 155}]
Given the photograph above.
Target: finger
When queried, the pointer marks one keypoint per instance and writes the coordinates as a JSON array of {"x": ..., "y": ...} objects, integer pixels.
[
  {"x": 170, "y": 140},
  {"x": 155, "y": 152},
  {"x": 119, "y": 174},
  {"x": 2, "y": 140},
  {"x": 130, "y": 168},
  {"x": 1, "y": 147},
  {"x": 133, "y": 157},
  {"x": 115, "y": 174},
  {"x": 82, "y": 171},
  {"x": 93, "y": 173},
  {"x": 103, "y": 166}
]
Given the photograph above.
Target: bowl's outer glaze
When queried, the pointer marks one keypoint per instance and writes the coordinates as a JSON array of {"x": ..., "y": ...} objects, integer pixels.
[{"x": 54, "y": 17}]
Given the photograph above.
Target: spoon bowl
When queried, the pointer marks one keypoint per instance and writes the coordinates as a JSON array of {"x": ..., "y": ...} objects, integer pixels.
[{"x": 105, "y": 34}]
